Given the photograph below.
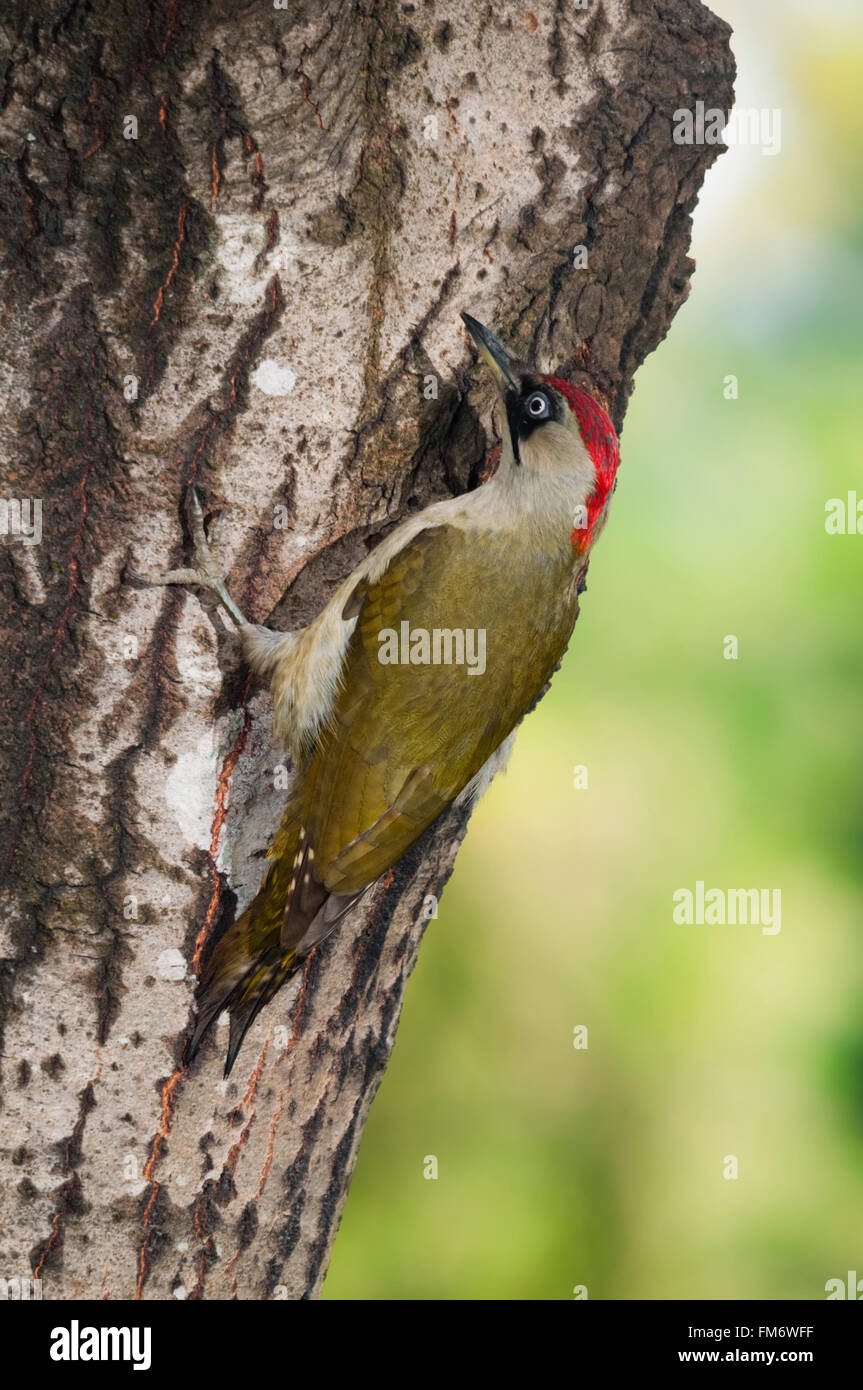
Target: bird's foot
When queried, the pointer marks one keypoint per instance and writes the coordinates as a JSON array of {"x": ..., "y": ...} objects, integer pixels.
[{"x": 205, "y": 570}]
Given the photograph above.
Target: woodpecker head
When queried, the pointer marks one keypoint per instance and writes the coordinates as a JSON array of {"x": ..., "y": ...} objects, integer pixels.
[{"x": 554, "y": 430}]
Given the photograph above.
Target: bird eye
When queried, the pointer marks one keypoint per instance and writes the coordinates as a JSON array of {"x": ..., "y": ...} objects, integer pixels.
[{"x": 537, "y": 405}]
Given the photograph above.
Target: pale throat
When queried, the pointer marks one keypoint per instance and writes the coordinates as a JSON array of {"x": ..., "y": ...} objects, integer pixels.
[{"x": 549, "y": 489}]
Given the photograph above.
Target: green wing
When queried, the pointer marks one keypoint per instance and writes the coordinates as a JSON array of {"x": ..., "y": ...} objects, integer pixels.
[{"x": 403, "y": 740}]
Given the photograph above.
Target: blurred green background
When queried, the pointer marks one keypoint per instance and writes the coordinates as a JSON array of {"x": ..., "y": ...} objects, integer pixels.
[{"x": 604, "y": 1167}]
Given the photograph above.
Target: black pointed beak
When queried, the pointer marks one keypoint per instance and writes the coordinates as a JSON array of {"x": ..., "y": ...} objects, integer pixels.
[{"x": 503, "y": 364}]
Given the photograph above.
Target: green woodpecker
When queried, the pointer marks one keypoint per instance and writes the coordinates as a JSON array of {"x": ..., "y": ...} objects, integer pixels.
[{"x": 403, "y": 695}]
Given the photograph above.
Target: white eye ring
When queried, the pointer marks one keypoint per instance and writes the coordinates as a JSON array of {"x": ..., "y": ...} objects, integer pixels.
[{"x": 537, "y": 405}]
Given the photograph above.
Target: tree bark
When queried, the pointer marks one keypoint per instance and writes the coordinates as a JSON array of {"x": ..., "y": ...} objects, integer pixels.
[{"x": 257, "y": 290}]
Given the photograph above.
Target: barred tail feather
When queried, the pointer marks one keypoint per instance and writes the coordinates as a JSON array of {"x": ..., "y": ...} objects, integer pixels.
[
  {"x": 248, "y": 965},
  {"x": 243, "y": 973},
  {"x": 268, "y": 942},
  {"x": 256, "y": 991}
]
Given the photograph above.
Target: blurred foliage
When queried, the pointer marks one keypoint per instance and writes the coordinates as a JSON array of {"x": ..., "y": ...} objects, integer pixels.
[{"x": 604, "y": 1167}]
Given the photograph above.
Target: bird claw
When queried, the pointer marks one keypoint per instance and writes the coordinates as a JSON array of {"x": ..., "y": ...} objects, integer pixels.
[
  {"x": 205, "y": 570},
  {"x": 206, "y": 549}
]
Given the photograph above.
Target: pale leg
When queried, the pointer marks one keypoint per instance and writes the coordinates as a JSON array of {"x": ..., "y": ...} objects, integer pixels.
[{"x": 205, "y": 571}]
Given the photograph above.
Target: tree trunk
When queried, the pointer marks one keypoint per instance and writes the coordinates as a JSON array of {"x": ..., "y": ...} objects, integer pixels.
[{"x": 237, "y": 238}]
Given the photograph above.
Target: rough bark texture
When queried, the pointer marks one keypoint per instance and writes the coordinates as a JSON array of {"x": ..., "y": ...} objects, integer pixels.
[{"x": 287, "y": 204}]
